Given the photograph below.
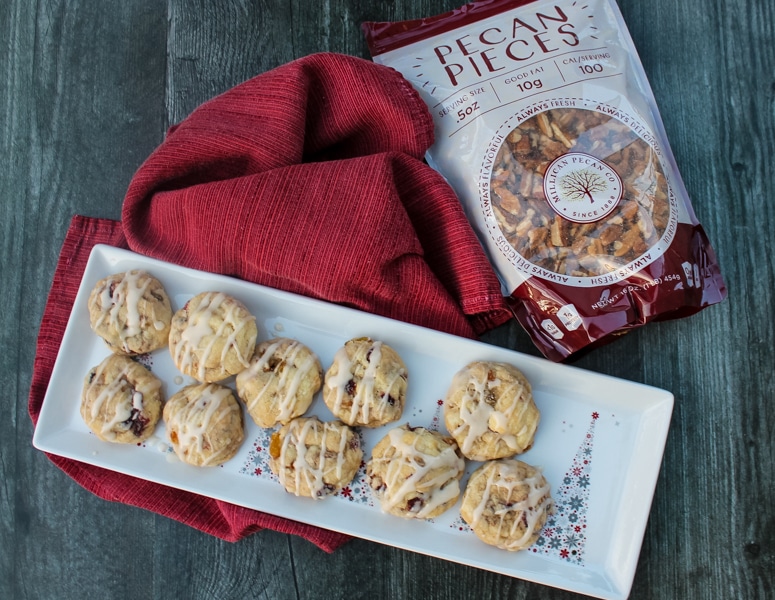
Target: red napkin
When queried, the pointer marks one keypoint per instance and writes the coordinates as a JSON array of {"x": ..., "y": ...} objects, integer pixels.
[
  {"x": 307, "y": 178},
  {"x": 310, "y": 178}
]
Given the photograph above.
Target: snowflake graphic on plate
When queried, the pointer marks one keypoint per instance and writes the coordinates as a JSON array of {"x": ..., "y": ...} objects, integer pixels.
[
  {"x": 146, "y": 360},
  {"x": 257, "y": 465},
  {"x": 257, "y": 462},
  {"x": 564, "y": 535},
  {"x": 420, "y": 419}
]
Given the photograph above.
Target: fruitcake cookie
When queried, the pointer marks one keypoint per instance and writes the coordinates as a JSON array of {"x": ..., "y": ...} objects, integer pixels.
[
  {"x": 131, "y": 312},
  {"x": 506, "y": 503},
  {"x": 314, "y": 458},
  {"x": 212, "y": 337},
  {"x": 121, "y": 400},
  {"x": 366, "y": 384},
  {"x": 204, "y": 424},
  {"x": 280, "y": 382},
  {"x": 415, "y": 472},
  {"x": 490, "y": 411}
]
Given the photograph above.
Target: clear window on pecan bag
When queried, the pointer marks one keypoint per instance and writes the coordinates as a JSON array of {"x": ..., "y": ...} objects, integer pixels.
[{"x": 548, "y": 131}]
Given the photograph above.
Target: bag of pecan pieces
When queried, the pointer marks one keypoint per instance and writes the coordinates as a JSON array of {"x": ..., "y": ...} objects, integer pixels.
[{"x": 547, "y": 129}]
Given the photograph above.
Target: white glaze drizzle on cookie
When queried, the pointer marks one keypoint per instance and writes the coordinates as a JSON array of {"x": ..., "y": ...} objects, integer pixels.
[
  {"x": 300, "y": 437},
  {"x": 478, "y": 416},
  {"x": 131, "y": 397},
  {"x": 127, "y": 293},
  {"x": 435, "y": 492},
  {"x": 366, "y": 399},
  {"x": 193, "y": 420},
  {"x": 198, "y": 328},
  {"x": 503, "y": 478},
  {"x": 290, "y": 378}
]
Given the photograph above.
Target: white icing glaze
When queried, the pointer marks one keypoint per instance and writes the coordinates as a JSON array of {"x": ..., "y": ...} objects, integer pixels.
[
  {"x": 198, "y": 329},
  {"x": 478, "y": 416},
  {"x": 193, "y": 420},
  {"x": 366, "y": 400},
  {"x": 126, "y": 397},
  {"x": 505, "y": 475},
  {"x": 440, "y": 489},
  {"x": 305, "y": 472},
  {"x": 127, "y": 293},
  {"x": 158, "y": 444},
  {"x": 290, "y": 379}
]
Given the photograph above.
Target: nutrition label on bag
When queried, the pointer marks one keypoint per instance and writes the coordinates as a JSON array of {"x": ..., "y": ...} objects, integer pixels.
[
  {"x": 508, "y": 59},
  {"x": 539, "y": 78}
]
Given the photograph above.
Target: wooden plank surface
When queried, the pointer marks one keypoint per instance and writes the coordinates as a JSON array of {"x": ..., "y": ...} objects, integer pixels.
[{"x": 89, "y": 90}]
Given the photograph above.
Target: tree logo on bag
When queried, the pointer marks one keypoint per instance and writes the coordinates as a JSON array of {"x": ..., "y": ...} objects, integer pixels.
[{"x": 582, "y": 188}]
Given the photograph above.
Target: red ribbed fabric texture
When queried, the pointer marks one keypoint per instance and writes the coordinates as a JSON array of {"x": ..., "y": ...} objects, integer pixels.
[{"x": 308, "y": 178}]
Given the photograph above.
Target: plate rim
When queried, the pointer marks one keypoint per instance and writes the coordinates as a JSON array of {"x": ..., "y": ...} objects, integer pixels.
[{"x": 659, "y": 408}]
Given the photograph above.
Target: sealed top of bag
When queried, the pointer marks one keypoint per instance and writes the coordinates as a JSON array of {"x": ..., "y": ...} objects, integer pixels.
[{"x": 548, "y": 131}]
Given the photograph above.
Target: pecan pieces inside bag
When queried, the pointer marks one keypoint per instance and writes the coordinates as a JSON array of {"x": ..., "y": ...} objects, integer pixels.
[{"x": 554, "y": 243}]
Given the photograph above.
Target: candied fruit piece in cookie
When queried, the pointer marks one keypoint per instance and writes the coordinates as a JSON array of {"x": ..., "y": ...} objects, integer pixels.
[
  {"x": 204, "y": 424},
  {"x": 490, "y": 411},
  {"x": 131, "y": 312},
  {"x": 366, "y": 384},
  {"x": 212, "y": 337},
  {"x": 415, "y": 472},
  {"x": 313, "y": 458},
  {"x": 121, "y": 400}
]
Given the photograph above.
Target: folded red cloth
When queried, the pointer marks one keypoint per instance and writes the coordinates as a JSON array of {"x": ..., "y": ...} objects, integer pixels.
[
  {"x": 310, "y": 178},
  {"x": 307, "y": 178}
]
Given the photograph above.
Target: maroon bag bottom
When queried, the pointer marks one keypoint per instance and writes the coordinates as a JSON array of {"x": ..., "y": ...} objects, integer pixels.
[{"x": 563, "y": 320}]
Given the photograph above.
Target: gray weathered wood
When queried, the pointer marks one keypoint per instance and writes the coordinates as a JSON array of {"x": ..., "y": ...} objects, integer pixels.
[{"x": 88, "y": 91}]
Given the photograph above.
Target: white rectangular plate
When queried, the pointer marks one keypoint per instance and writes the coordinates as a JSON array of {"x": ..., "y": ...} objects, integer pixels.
[{"x": 600, "y": 440}]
